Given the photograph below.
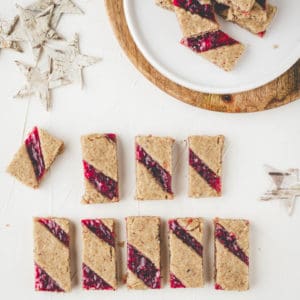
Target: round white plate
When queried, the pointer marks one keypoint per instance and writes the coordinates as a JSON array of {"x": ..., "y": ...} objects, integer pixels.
[{"x": 157, "y": 35}]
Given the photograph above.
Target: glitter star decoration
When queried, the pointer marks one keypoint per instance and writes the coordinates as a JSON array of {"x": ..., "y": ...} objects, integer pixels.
[
  {"x": 69, "y": 62},
  {"x": 37, "y": 28},
  {"x": 60, "y": 7},
  {"x": 285, "y": 186},
  {"x": 6, "y": 29},
  {"x": 38, "y": 83}
]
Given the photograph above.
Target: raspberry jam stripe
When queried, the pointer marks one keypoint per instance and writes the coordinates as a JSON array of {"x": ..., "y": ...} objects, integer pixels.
[
  {"x": 56, "y": 230},
  {"x": 208, "y": 41},
  {"x": 111, "y": 136},
  {"x": 43, "y": 282},
  {"x": 218, "y": 287},
  {"x": 34, "y": 150},
  {"x": 101, "y": 230},
  {"x": 105, "y": 185},
  {"x": 195, "y": 7},
  {"x": 161, "y": 175},
  {"x": 205, "y": 172},
  {"x": 184, "y": 236},
  {"x": 92, "y": 281},
  {"x": 175, "y": 283},
  {"x": 228, "y": 240},
  {"x": 143, "y": 267}
]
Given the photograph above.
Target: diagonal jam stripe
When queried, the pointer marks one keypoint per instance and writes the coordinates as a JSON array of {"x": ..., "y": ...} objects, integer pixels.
[
  {"x": 204, "y": 171},
  {"x": 111, "y": 137},
  {"x": 34, "y": 150},
  {"x": 56, "y": 230},
  {"x": 195, "y": 7},
  {"x": 101, "y": 230},
  {"x": 184, "y": 236},
  {"x": 161, "y": 175},
  {"x": 143, "y": 267},
  {"x": 208, "y": 41},
  {"x": 43, "y": 282},
  {"x": 175, "y": 283},
  {"x": 228, "y": 240},
  {"x": 92, "y": 281},
  {"x": 262, "y": 3},
  {"x": 105, "y": 185}
]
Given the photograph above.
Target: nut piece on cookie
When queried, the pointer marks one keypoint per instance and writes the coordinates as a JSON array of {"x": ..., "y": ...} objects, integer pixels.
[
  {"x": 52, "y": 254},
  {"x": 99, "y": 254},
  {"x": 153, "y": 167},
  {"x": 100, "y": 164},
  {"x": 231, "y": 254},
  {"x": 186, "y": 252},
  {"x": 35, "y": 157}
]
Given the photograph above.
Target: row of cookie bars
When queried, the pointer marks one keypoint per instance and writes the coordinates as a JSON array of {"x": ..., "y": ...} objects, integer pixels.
[
  {"x": 99, "y": 263},
  {"x": 154, "y": 170}
]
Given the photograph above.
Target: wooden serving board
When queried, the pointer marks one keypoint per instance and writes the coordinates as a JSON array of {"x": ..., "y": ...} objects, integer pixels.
[{"x": 280, "y": 91}]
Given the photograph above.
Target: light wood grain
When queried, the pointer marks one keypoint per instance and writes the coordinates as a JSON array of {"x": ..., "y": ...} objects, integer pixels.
[{"x": 282, "y": 90}]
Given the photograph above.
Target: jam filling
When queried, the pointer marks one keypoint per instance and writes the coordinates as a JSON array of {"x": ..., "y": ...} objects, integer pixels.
[
  {"x": 228, "y": 239},
  {"x": 208, "y": 41},
  {"x": 218, "y": 287},
  {"x": 56, "y": 230},
  {"x": 105, "y": 185},
  {"x": 143, "y": 267},
  {"x": 34, "y": 150},
  {"x": 195, "y": 7},
  {"x": 111, "y": 136},
  {"x": 175, "y": 283},
  {"x": 162, "y": 176},
  {"x": 43, "y": 282},
  {"x": 205, "y": 172},
  {"x": 101, "y": 230},
  {"x": 92, "y": 281},
  {"x": 262, "y": 3},
  {"x": 183, "y": 235},
  {"x": 261, "y": 34}
]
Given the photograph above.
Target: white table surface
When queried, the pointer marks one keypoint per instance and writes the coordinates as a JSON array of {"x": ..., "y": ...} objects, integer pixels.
[{"x": 118, "y": 99}]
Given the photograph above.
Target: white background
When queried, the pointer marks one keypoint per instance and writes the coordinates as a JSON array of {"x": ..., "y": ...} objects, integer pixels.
[{"x": 118, "y": 99}]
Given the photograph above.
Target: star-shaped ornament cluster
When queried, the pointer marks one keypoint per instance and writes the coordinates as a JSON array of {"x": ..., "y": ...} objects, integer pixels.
[
  {"x": 285, "y": 186},
  {"x": 37, "y": 25}
]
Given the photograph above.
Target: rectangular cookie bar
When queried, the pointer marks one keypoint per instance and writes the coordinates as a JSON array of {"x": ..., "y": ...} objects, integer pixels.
[
  {"x": 194, "y": 17},
  {"x": 52, "y": 254},
  {"x": 99, "y": 254},
  {"x": 205, "y": 166},
  {"x": 153, "y": 167},
  {"x": 143, "y": 253},
  {"x": 100, "y": 164},
  {"x": 243, "y": 5},
  {"x": 35, "y": 157},
  {"x": 256, "y": 21},
  {"x": 186, "y": 252},
  {"x": 231, "y": 254}
]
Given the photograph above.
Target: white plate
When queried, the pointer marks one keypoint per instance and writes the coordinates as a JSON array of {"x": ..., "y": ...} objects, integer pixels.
[{"x": 157, "y": 35}]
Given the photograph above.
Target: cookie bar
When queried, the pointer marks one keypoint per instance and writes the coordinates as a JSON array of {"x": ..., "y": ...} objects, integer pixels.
[
  {"x": 143, "y": 253},
  {"x": 256, "y": 21},
  {"x": 167, "y": 4},
  {"x": 205, "y": 166},
  {"x": 153, "y": 167},
  {"x": 99, "y": 254},
  {"x": 243, "y": 5},
  {"x": 194, "y": 17},
  {"x": 185, "y": 245},
  {"x": 100, "y": 164},
  {"x": 35, "y": 157},
  {"x": 231, "y": 254},
  {"x": 52, "y": 254}
]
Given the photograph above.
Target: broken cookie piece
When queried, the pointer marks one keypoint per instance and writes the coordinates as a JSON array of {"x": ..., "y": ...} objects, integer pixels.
[
  {"x": 35, "y": 157},
  {"x": 167, "y": 4},
  {"x": 243, "y": 5},
  {"x": 217, "y": 47}
]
